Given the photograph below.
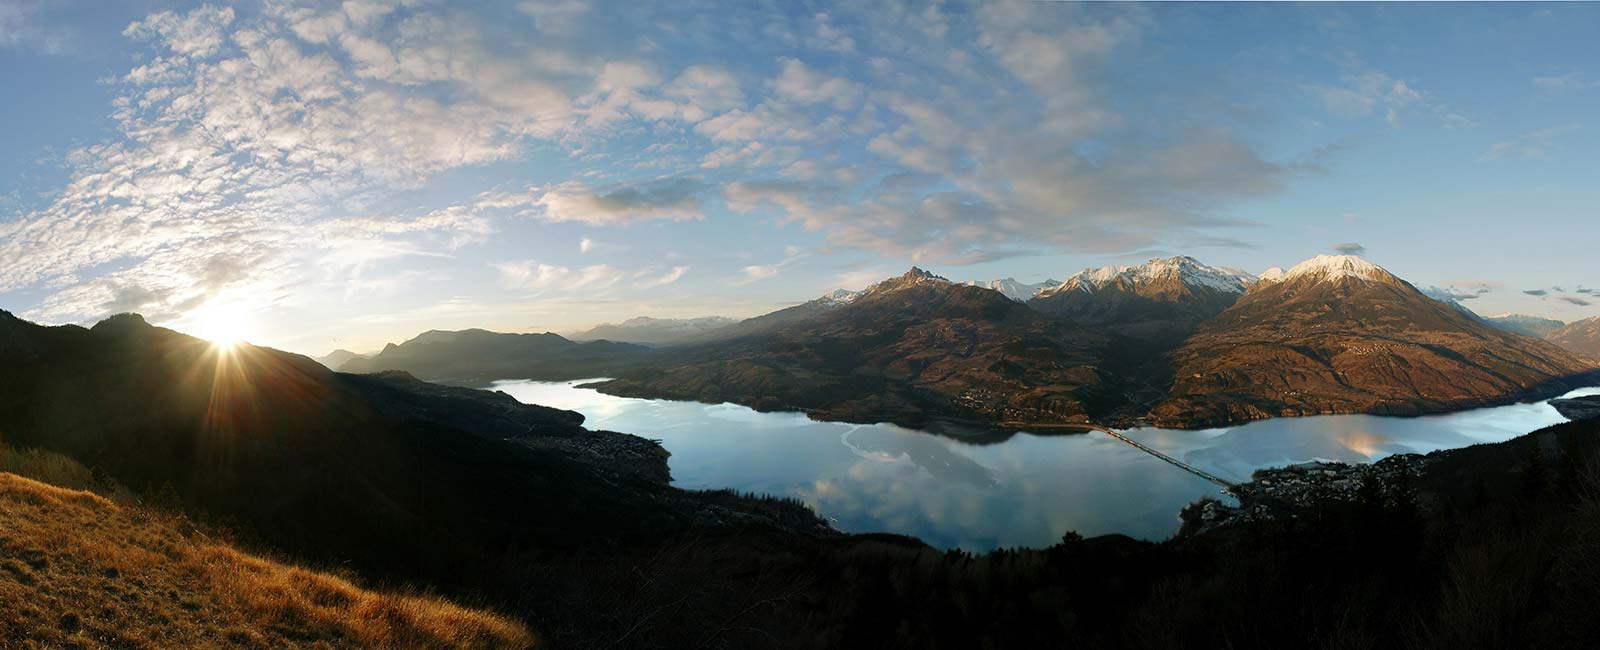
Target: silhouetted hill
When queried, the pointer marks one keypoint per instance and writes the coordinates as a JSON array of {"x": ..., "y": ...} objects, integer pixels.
[
  {"x": 337, "y": 358},
  {"x": 479, "y": 355},
  {"x": 385, "y": 472}
]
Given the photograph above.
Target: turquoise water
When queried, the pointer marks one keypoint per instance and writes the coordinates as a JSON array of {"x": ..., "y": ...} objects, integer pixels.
[{"x": 1017, "y": 490}]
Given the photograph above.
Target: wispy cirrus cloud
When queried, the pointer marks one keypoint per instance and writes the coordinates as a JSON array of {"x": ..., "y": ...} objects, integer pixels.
[{"x": 330, "y": 143}]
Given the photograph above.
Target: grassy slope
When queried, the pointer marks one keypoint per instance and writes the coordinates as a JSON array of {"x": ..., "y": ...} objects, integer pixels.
[{"x": 77, "y": 570}]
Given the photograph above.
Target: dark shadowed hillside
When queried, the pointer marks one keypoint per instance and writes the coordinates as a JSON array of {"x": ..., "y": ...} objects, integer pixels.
[{"x": 477, "y": 355}]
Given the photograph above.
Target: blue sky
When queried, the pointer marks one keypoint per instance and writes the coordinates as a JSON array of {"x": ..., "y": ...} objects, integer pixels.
[{"x": 326, "y": 175}]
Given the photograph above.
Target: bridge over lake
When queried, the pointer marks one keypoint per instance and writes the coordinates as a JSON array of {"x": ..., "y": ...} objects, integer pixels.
[{"x": 1226, "y": 485}]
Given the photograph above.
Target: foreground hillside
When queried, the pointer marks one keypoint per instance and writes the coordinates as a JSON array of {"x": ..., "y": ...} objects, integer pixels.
[
  {"x": 462, "y": 491},
  {"x": 77, "y": 570}
]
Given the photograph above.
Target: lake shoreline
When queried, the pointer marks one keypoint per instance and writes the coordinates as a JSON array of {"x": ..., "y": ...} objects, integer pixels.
[{"x": 936, "y": 484}]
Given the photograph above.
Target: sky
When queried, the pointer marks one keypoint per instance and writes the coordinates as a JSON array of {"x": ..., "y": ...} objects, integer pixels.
[{"x": 313, "y": 176}]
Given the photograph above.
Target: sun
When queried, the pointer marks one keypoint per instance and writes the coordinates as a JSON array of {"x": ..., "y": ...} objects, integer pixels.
[{"x": 225, "y": 326}]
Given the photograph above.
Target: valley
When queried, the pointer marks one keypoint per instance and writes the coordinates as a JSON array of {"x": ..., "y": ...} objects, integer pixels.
[{"x": 1171, "y": 342}]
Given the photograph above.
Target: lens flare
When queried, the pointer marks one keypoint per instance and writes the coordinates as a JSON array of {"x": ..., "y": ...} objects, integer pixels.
[{"x": 225, "y": 326}]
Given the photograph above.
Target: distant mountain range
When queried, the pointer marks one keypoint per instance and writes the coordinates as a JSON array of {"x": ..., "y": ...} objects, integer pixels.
[
  {"x": 1582, "y": 337},
  {"x": 476, "y": 355},
  {"x": 1538, "y": 327},
  {"x": 1013, "y": 288},
  {"x": 1172, "y": 340},
  {"x": 336, "y": 359},
  {"x": 904, "y": 350},
  {"x": 654, "y": 331}
]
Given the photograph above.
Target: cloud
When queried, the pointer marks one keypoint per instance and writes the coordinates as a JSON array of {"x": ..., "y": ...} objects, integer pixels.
[
  {"x": 1530, "y": 145},
  {"x": 801, "y": 84},
  {"x": 528, "y": 274},
  {"x": 759, "y": 272},
  {"x": 1350, "y": 248},
  {"x": 1367, "y": 92},
  {"x": 1569, "y": 81},
  {"x": 675, "y": 200},
  {"x": 664, "y": 279},
  {"x": 585, "y": 245},
  {"x": 21, "y": 27},
  {"x": 1536, "y": 292},
  {"x": 1577, "y": 301},
  {"x": 271, "y": 134}
]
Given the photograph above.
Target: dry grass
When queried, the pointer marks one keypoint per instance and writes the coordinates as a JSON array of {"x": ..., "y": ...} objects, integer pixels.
[{"x": 79, "y": 571}]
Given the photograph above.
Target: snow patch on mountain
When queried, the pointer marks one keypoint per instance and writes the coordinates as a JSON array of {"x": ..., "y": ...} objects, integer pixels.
[
  {"x": 1338, "y": 267},
  {"x": 1013, "y": 288},
  {"x": 838, "y": 297},
  {"x": 1186, "y": 269}
]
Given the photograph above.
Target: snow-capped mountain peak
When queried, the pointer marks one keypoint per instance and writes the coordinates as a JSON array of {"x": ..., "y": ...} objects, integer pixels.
[
  {"x": 1189, "y": 271},
  {"x": 1013, "y": 288},
  {"x": 1274, "y": 274},
  {"x": 839, "y": 297},
  {"x": 1338, "y": 267}
]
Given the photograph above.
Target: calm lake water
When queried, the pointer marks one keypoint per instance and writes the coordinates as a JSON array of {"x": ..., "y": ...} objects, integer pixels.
[{"x": 1021, "y": 490}]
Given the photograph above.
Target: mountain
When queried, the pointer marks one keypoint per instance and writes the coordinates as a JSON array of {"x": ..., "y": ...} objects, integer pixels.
[
  {"x": 480, "y": 355},
  {"x": 1338, "y": 334},
  {"x": 1535, "y": 326},
  {"x": 1013, "y": 288},
  {"x": 337, "y": 358},
  {"x": 654, "y": 331},
  {"x": 1449, "y": 299},
  {"x": 1581, "y": 337},
  {"x": 909, "y": 349},
  {"x": 766, "y": 323},
  {"x": 1158, "y": 299}
]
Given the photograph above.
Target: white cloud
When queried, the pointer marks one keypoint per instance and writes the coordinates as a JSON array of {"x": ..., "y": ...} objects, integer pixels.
[
  {"x": 671, "y": 276},
  {"x": 675, "y": 200},
  {"x": 266, "y": 136},
  {"x": 528, "y": 274},
  {"x": 799, "y": 83},
  {"x": 1371, "y": 91},
  {"x": 759, "y": 272},
  {"x": 21, "y": 28},
  {"x": 1531, "y": 145}
]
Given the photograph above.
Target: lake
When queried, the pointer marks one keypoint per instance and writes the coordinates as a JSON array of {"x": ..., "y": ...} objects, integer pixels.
[{"x": 1002, "y": 491}]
